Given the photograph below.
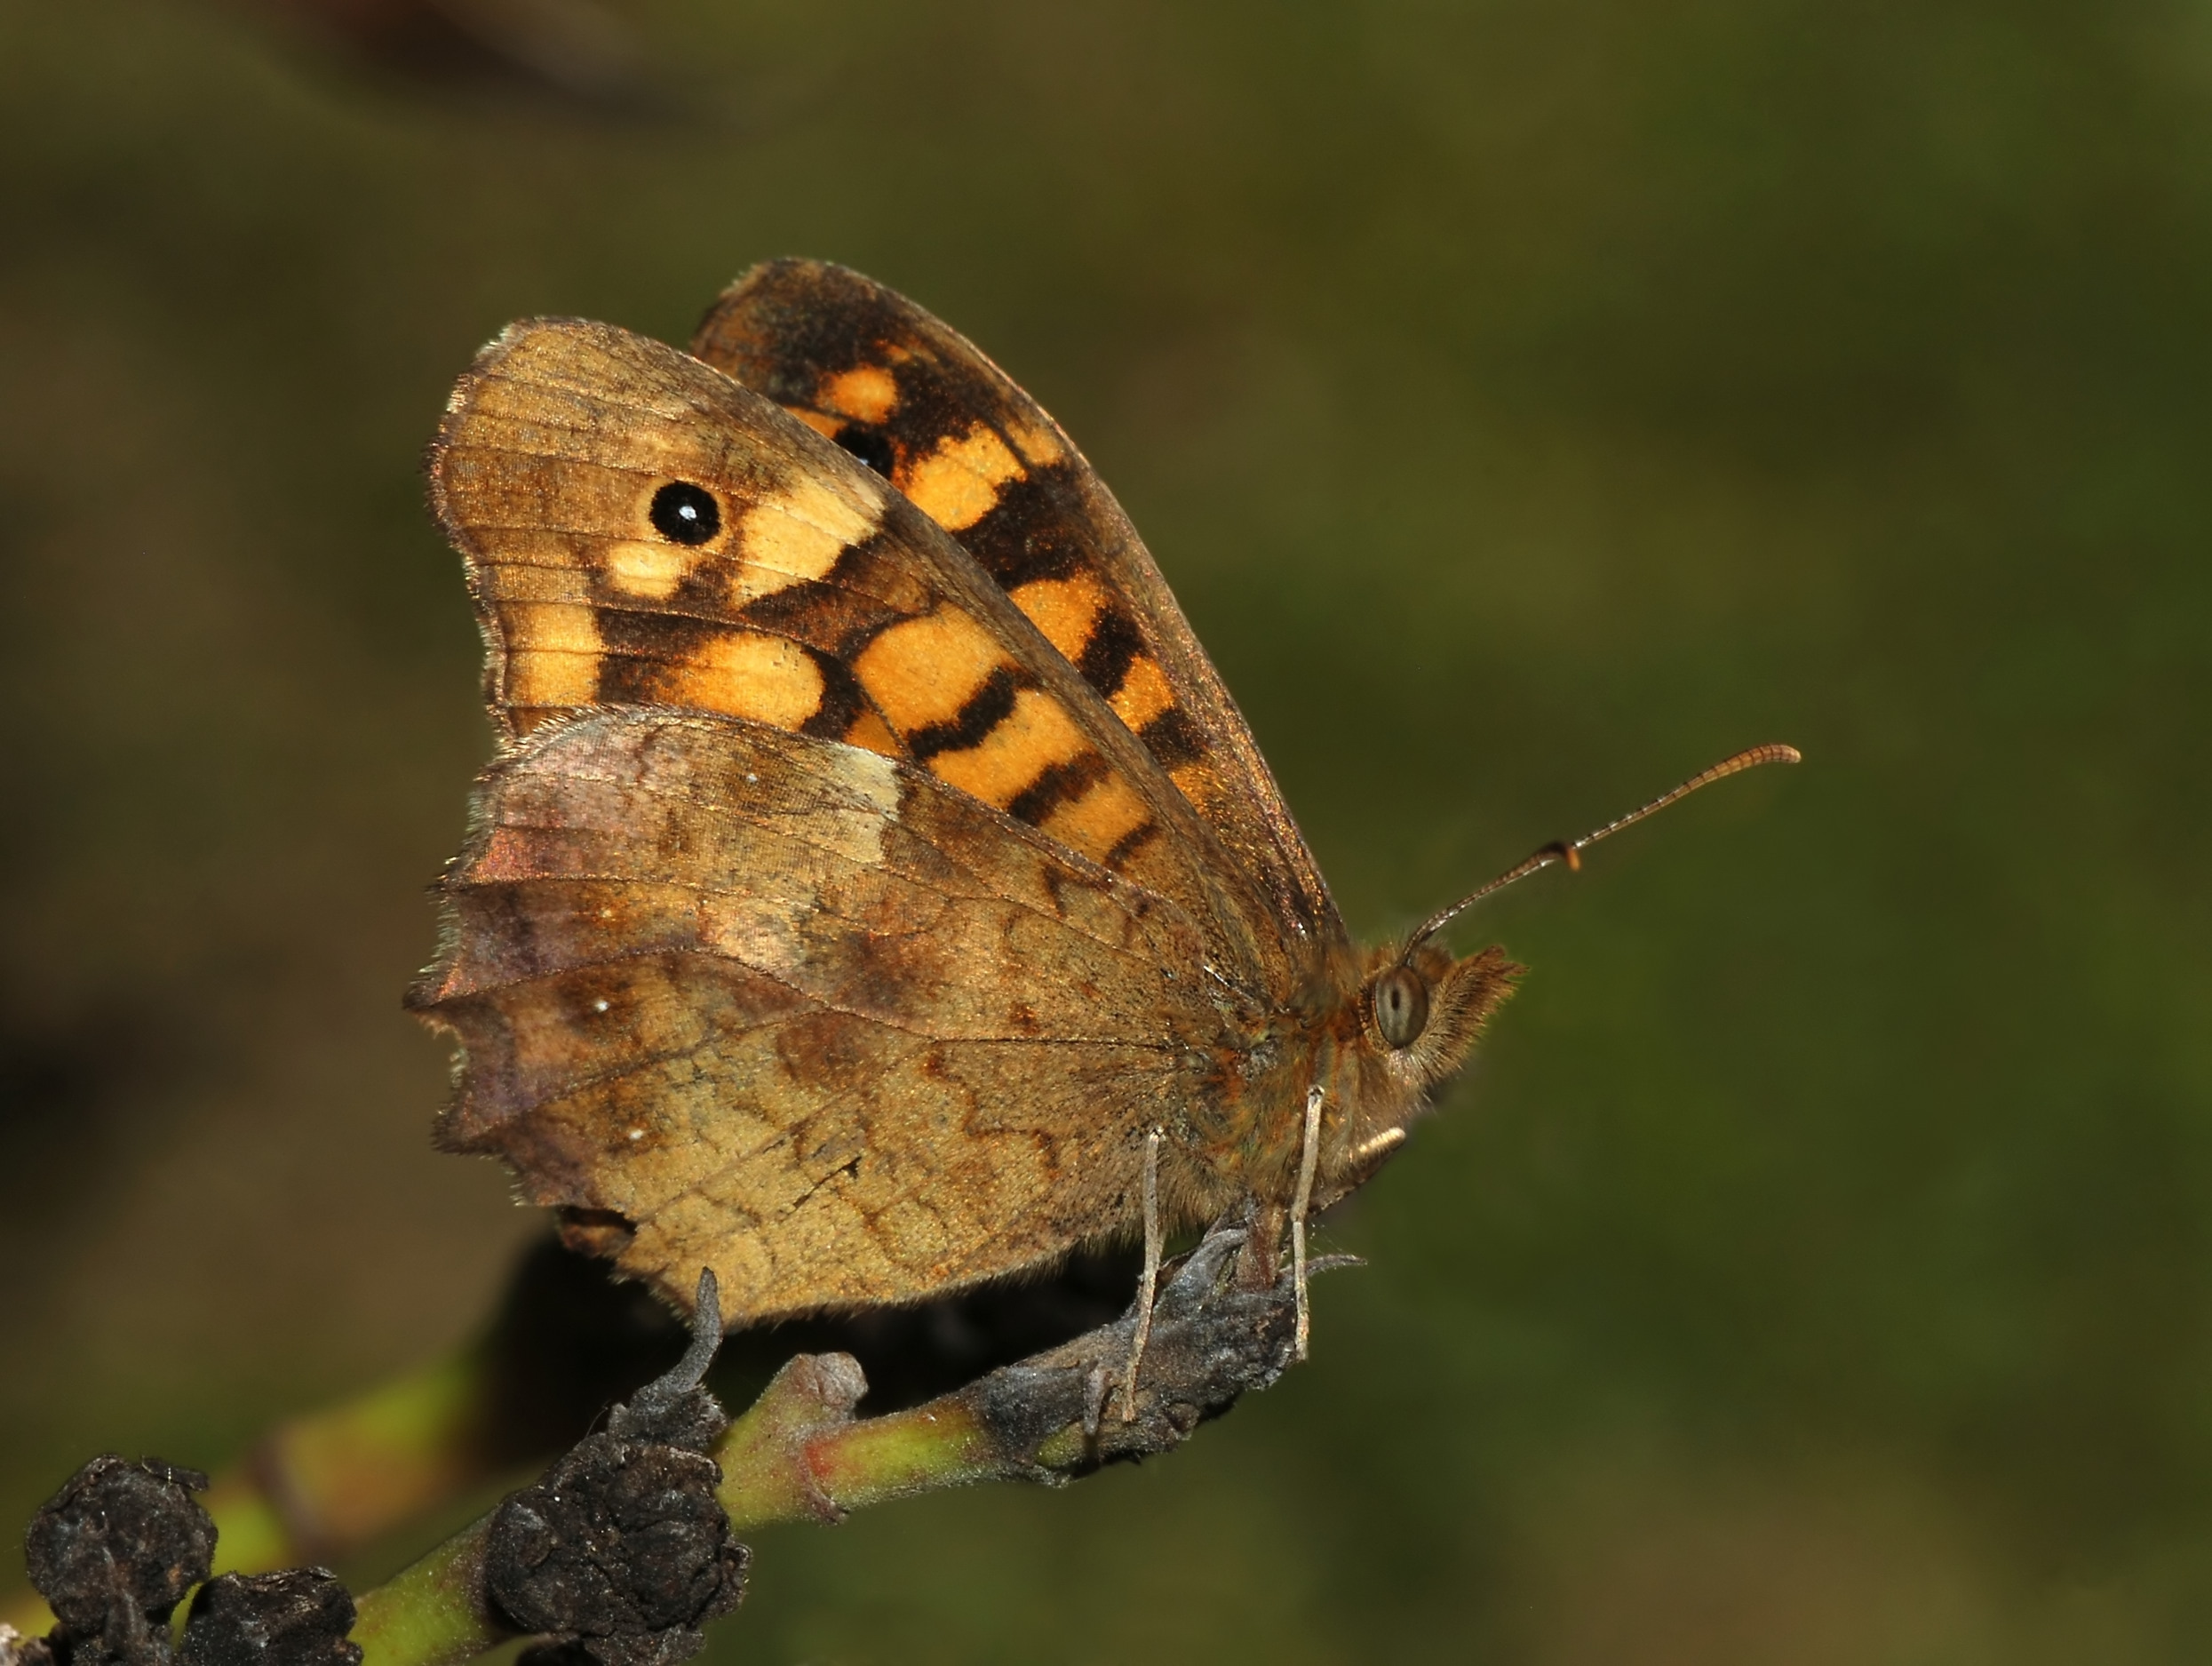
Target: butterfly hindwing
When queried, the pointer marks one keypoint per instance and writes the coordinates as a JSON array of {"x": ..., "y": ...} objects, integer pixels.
[
  {"x": 746, "y": 999},
  {"x": 925, "y": 408}
]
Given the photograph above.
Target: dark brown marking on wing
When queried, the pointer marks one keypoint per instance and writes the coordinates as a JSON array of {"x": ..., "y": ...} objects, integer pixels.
[
  {"x": 1125, "y": 847},
  {"x": 842, "y": 610},
  {"x": 871, "y": 446},
  {"x": 1114, "y": 643},
  {"x": 1020, "y": 539},
  {"x": 1060, "y": 783},
  {"x": 981, "y": 712},
  {"x": 844, "y": 702},
  {"x": 639, "y": 648},
  {"x": 1172, "y": 739}
]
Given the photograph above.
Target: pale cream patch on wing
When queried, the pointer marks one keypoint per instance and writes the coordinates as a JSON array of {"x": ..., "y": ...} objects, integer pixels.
[
  {"x": 648, "y": 569},
  {"x": 875, "y": 782},
  {"x": 767, "y": 928},
  {"x": 958, "y": 484},
  {"x": 1039, "y": 445},
  {"x": 797, "y": 534},
  {"x": 848, "y": 820},
  {"x": 844, "y": 810}
]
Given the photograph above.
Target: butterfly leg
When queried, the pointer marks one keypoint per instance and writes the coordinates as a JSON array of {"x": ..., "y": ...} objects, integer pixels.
[
  {"x": 1148, "y": 1284},
  {"x": 1093, "y": 1401},
  {"x": 1309, "y": 1157}
]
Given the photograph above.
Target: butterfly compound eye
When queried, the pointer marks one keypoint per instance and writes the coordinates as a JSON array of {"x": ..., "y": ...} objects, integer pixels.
[
  {"x": 685, "y": 514},
  {"x": 1401, "y": 1006}
]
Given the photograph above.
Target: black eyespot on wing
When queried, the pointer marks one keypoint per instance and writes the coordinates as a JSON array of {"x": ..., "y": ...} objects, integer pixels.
[
  {"x": 871, "y": 446},
  {"x": 1401, "y": 1005},
  {"x": 685, "y": 514}
]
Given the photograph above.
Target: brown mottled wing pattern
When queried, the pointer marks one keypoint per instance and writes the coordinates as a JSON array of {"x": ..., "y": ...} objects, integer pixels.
[
  {"x": 641, "y": 529},
  {"x": 924, "y": 407},
  {"x": 798, "y": 1011}
]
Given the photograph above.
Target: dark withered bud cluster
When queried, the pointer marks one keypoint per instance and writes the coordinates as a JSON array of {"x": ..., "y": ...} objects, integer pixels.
[
  {"x": 622, "y": 1552},
  {"x": 113, "y": 1554},
  {"x": 618, "y": 1557},
  {"x": 299, "y": 1617},
  {"x": 621, "y": 1547},
  {"x": 121, "y": 1544}
]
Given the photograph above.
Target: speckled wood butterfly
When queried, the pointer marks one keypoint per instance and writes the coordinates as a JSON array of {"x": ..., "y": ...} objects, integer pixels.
[{"x": 875, "y": 890}]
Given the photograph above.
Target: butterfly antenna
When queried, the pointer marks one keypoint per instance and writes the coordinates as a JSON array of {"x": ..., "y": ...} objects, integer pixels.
[{"x": 1571, "y": 851}]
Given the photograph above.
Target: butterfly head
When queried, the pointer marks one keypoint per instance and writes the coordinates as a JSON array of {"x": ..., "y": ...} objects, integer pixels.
[
  {"x": 1403, "y": 1032},
  {"x": 1409, "y": 1028}
]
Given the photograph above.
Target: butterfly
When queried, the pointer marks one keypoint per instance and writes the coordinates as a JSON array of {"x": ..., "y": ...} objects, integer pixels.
[{"x": 877, "y": 891}]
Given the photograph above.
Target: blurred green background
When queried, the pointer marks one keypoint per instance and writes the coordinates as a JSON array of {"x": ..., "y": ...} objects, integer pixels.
[{"x": 1530, "y": 402}]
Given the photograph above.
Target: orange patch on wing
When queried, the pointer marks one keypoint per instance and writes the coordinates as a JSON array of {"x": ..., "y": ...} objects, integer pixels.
[
  {"x": 1197, "y": 783},
  {"x": 824, "y": 423},
  {"x": 867, "y": 393},
  {"x": 553, "y": 650},
  {"x": 1039, "y": 445},
  {"x": 765, "y": 678},
  {"x": 1143, "y": 694},
  {"x": 870, "y": 731},
  {"x": 958, "y": 484},
  {"x": 1034, "y": 736},
  {"x": 1064, "y": 609},
  {"x": 923, "y": 670},
  {"x": 1095, "y": 823}
]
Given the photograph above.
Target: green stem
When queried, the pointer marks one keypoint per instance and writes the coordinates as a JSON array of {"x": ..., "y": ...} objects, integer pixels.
[{"x": 433, "y": 1613}]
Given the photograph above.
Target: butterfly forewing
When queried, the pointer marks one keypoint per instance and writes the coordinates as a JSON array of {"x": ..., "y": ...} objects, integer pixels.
[
  {"x": 641, "y": 529},
  {"x": 922, "y": 406}
]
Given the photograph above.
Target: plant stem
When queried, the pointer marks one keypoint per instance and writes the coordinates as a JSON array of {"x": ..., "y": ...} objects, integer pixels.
[
  {"x": 799, "y": 1454},
  {"x": 433, "y": 1612}
]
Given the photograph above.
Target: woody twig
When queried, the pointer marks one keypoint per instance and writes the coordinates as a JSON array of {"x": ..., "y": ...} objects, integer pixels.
[{"x": 799, "y": 1454}]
